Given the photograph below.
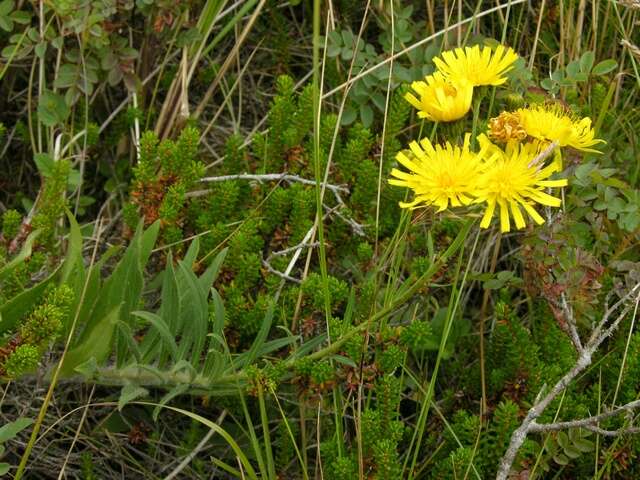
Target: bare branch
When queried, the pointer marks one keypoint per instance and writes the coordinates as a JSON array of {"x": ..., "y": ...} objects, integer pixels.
[
  {"x": 542, "y": 402},
  {"x": 357, "y": 228},
  {"x": 284, "y": 276},
  {"x": 293, "y": 249},
  {"x": 268, "y": 177},
  {"x": 586, "y": 422},
  {"x": 571, "y": 324},
  {"x": 597, "y": 337}
]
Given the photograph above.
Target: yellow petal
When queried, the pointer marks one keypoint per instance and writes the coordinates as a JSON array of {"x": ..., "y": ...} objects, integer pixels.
[
  {"x": 517, "y": 215},
  {"x": 533, "y": 214}
]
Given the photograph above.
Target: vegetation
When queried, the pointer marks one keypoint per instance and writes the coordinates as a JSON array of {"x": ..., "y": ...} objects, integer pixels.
[{"x": 312, "y": 239}]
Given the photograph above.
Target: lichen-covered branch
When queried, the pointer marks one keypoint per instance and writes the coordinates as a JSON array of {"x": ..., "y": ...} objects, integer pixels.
[{"x": 599, "y": 334}]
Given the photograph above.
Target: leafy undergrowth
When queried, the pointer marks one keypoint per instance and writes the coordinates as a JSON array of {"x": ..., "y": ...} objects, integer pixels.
[{"x": 205, "y": 275}]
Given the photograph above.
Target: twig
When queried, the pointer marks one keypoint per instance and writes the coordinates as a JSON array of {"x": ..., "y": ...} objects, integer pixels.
[
  {"x": 187, "y": 460},
  {"x": 357, "y": 228},
  {"x": 571, "y": 324},
  {"x": 613, "y": 433},
  {"x": 286, "y": 251},
  {"x": 277, "y": 272},
  {"x": 586, "y": 422},
  {"x": 296, "y": 255},
  {"x": 584, "y": 360},
  {"x": 266, "y": 177}
]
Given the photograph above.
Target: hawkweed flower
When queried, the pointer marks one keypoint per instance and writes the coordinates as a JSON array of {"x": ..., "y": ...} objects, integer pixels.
[
  {"x": 513, "y": 179},
  {"x": 551, "y": 123},
  {"x": 477, "y": 66},
  {"x": 506, "y": 127},
  {"x": 439, "y": 99},
  {"x": 439, "y": 175}
]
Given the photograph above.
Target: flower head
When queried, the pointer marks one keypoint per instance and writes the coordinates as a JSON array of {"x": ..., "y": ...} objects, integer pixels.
[
  {"x": 439, "y": 99},
  {"x": 440, "y": 175},
  {"x": 506, "y": 127},
  {"x": 553, "y": 124},
  {"x": 513, "y": 178},
  {"x": 477, "y": 66}
]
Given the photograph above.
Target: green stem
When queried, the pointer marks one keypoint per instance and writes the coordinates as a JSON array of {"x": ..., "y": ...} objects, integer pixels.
[
  {"x": 317, "y": 161},
  {"x": 303, "y": 464},
  {"x": 267, "y": 436},
  {"x": 252, "y": 436},
  {"x": 476, "y": 114},
  {"x": 451, "y": 311}
]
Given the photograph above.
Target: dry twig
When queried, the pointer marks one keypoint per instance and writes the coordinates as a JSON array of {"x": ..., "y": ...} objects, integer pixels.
[{"x": 528, "y": 425}]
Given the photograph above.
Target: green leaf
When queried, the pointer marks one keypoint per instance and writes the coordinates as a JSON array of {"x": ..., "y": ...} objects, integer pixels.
[
  {"x": 129, "y": 393},
  {"x": 584, "y": 445},
  {"x": 25, "y": 252},
  {"x": 563, "y": 440},
  {"x": 218, "y": 312},
  {"x": 572, "y": 69},
  {"x": 572, "y": 452},
  {"x": 493, "y": 284},
  {"x": 127, "y": 334},
  {"x": 5, "y": 7},
  {"x": 252, "y": 353},
  {"x": 148, "y": 241},
  {"x": 41, "y": 50},
  {"x": 586, "y": 61},
  {"x": 11, "y": 429},
  {"x": 52, "y": 109},
  {"x": 74, "y": 249},
  {"x": 349, "y": 115},
  {"x": 88, "y": 369},
  {"x": 344, "y": 360},
  {"x": 211, "y": 273},
  {"x": 192, "y": 252},
  {"x": 96, "y": 344},
  {"x": 188, "y": 37},
  {"x": 45, "y": 164},
  {"x": 21, "y": 17},
  {"x": 366, "y": 115},
  {"x": 12, "y": 311},
  {"x": 581, "y": 77},
  {"x": 174, "y": 392},
  {"x": 4, "y": 468},
  {"x": 6, "y": 23},
  {"x": 123, "y": 289},
  {"x": 169, "y": 311},
  {"x": 161, "y": 327},
  {"x": 604, "y": 67},
  {"x": 548, "y": 84},
  {"x": 251, "y": 473},
  {"x": 561, "y": 459},
  {"x": 67, "y": 76},
  {"x": 195, "y": 313}
]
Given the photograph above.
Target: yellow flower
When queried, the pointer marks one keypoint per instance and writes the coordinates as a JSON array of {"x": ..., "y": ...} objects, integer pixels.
[
  {"x": 511, "y": 179},
  {"x": 552, "y": 123},
  {"x": 439, "y": 99},
  {"x": 478, "y": 67},
  {"x": 506, "y": 127},
  {"x": 440, "y": 175}
]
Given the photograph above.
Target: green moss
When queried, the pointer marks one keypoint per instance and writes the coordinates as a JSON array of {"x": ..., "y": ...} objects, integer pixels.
[
  {"x": 11, "y": 221},
  {"x": 50, "y": 206},
  {"x": 24, "y": 359}
]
